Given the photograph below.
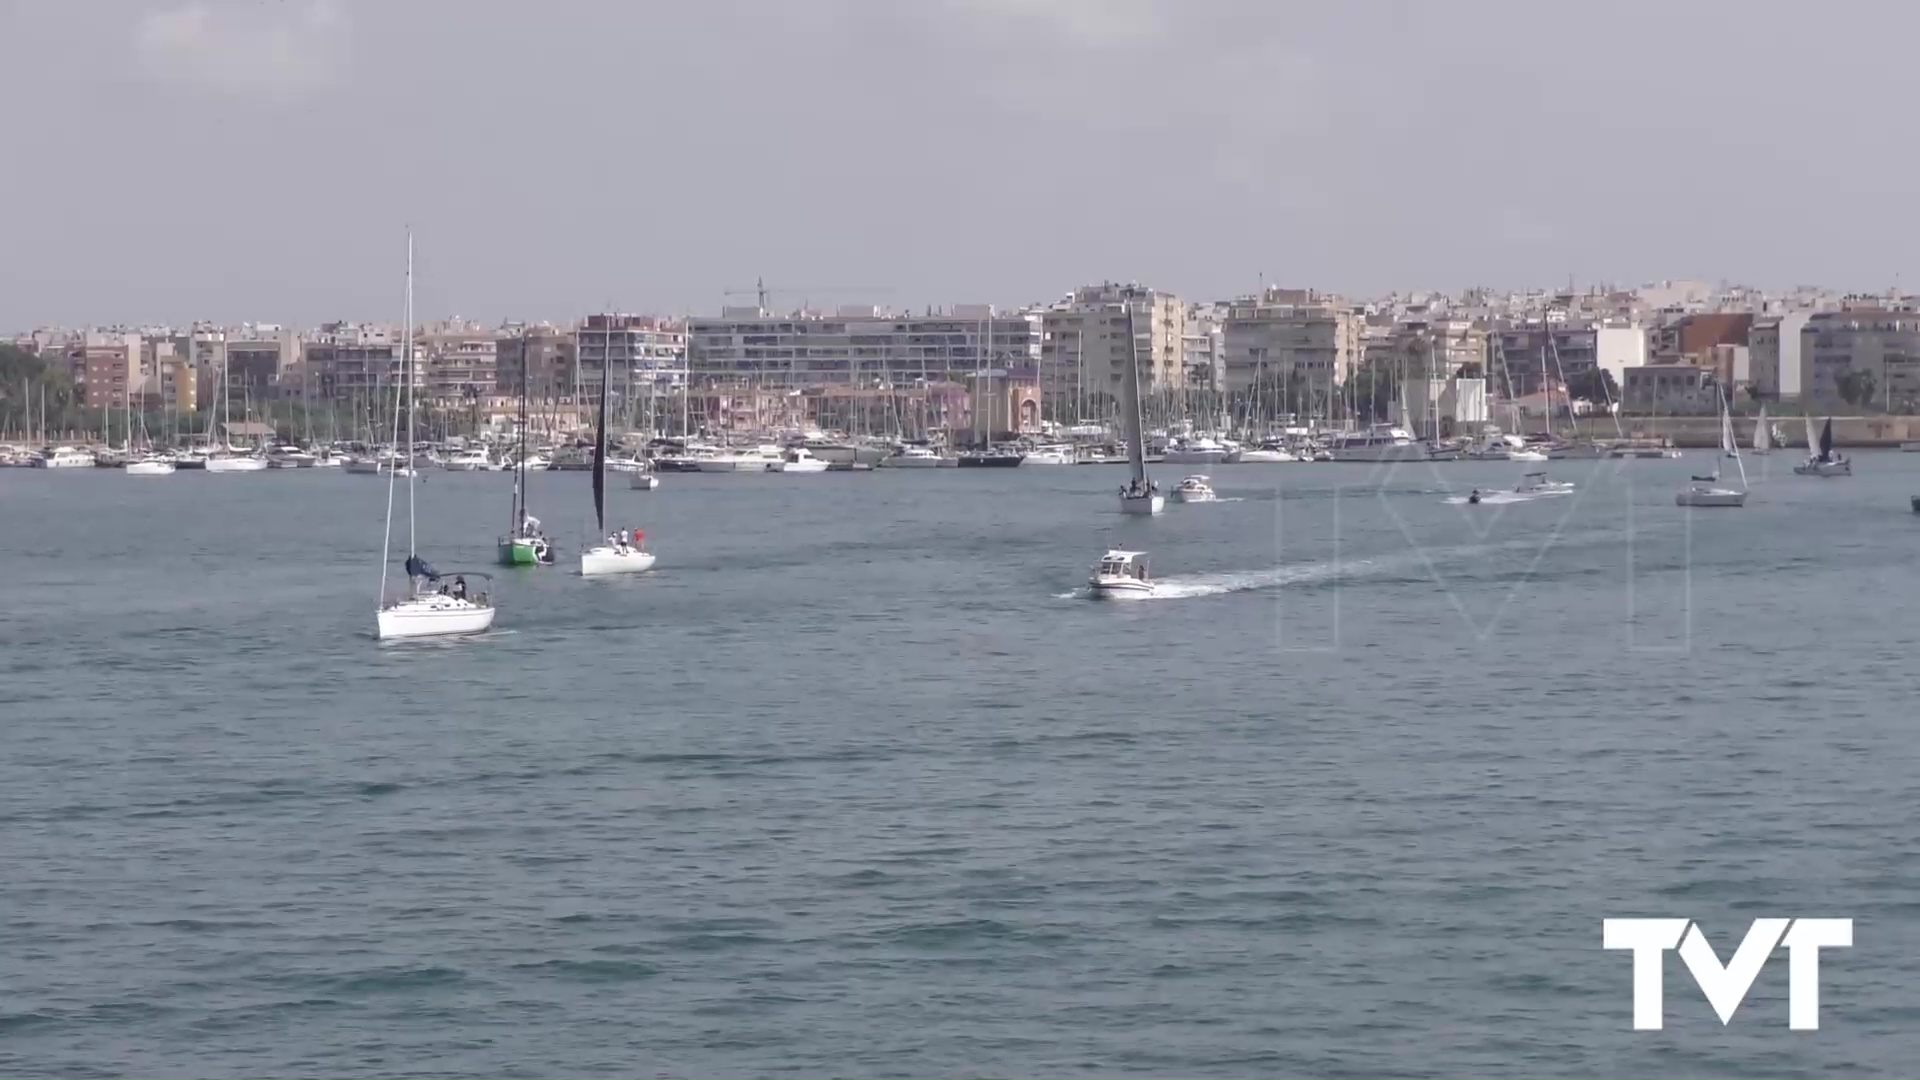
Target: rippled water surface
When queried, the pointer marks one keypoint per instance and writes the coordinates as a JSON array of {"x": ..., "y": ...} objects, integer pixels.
[{"x": 857, "y": 783}]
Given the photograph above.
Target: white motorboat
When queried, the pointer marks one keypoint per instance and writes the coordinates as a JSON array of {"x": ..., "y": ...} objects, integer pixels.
[
  {"x": 1822, "y": 460},
  {"x": 151, "y": 465},
  {"x": 236, "y": 463},
  {"x": 1380, "y": 442},
  {"x": 1536, "y": 483},
  {"x": 1200, "y": 450},
  {"x": 757, "y": 459},
  {"x": 1526, "y": 454},
  {"x": 1121, "y": 575},
  {"x": 1194, "y": 489},
  {"x": 1267, "y": 453},
  {"x": 63, "y": 457},
  {"x": 798, "y": 460},
  {"x": 642, "y": 481},
  {"x": 422, "y": 611},
  {"x": 475, "y": 460},
  {"x": 1050, "y": 454},
  {"x": 1141, "y": 496},
  {"x": 1706, "y": 490},
  {"x": 913, "y": 457},
  {"x": 290, "y": 457}
]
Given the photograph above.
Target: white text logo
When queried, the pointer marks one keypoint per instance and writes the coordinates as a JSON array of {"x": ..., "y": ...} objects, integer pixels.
[{"x": 1726, "y": 986}]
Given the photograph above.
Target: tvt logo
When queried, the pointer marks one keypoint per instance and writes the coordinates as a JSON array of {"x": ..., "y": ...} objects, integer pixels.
[{"x": 1726, "y": 986}]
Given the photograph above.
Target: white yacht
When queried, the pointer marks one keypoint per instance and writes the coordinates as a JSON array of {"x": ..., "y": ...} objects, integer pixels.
[
  {"x": 1121, "y": 575},
  {"x": 1200, "y": 450},
  {"x": 1381, "y": 442},
  {"x": 913, "y": 457},
  {"x": 1536, "y": 483},
  {"x": 757, "y": 459},
  {"x": 1050, "y": 454},
  {"x": 798, "y": 460},
  {"x": 643, "y": 480},
  {"x": 151, "y": 465},
  {"x": 474, "y": 460},
  {"x": 231, "y": 461},
  {"x": 63, "y": 457},
  {"x": 1270, "y": 452},
  {"x": 1194, "y": 489},
  {"x": 290, "y": 457}
]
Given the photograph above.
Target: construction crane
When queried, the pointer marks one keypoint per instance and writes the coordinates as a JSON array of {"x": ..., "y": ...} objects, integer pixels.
[{"x": 761, "y": 293}]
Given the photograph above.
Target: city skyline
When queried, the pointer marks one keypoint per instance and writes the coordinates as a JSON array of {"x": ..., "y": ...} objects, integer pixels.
[{"x": 247, "y": 159}]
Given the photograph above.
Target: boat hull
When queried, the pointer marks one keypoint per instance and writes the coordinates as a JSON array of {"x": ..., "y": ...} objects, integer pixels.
[
  {"x": 643, "y": 482},
  {"x": 1265, "y": 457},
  {"x": 1142, "y": 505},
  {"x": 150, "y": 468},
  {"x": 903, "y": 461},
  {"x": 236, "y": 465},
  {"x": 1824, "y": 468},
  {"x": 814, "y": 465},
  {"x": 1119, "y": 588},
  {"x": 727, "y": 465},
  {"x": 1705, "y": 497},
  {"x": 516, "y": 552},
  {"x": 1193, "y": 496},
  {"x": 433, "y": 616},
  {"x": 603, "y": 560},
  {"x": 991, "y": 461}
]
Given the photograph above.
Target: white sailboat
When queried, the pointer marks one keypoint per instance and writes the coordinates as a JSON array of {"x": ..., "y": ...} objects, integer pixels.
[
  {"x": 614, "y": 555},
  {"x": 150, "y": 463},
  {"x": 1140, "y": 496},
  {"x": 1762, "y": 433},
  {"x": 1706, "y": 490},
  {"x": 422, "y": 611}
]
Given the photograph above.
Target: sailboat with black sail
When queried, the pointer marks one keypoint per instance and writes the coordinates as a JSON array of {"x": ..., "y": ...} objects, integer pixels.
[
  {"x": 524, "y": 543},
  {"x": 1821, "y": 458},
  {"x": 430, "y": 606},
  {"x": 617, "y": 554},
  {"x": 1140, "y": 496}
]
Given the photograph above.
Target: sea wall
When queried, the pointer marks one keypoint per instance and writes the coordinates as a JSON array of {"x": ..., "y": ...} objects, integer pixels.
[{"x": 1704, "y": 431}]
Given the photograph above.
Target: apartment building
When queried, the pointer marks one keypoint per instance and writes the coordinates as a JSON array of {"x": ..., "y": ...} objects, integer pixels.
[
  {"x": 1287, "y": 332},
  {"x": 106, "y": 364},
  {"x": 546, "y": 352},
  {"x": 1084, "y": 348},
  {"x": 351, "y": 360},
  {"x": 1525, "y": 357},
  {"x": 1773, "y": 347},
  {"x": 642, "y": 349},
  {"x": 459, "y": 360},
  {"x": 1863, "y": 357},
  {"x": 862, "y": 346},
  {"x": 256, "y": 356},
  {"x": 1669, "y": 390},
  {"x": 1203, "y": 351}
]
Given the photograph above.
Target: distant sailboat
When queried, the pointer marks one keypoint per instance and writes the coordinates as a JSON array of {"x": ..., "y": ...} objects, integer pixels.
[
  {"x": 1762, "y": 433},
  {"x": 1140, "y": 496},
  {"x": 524, "y": 543},
  {"x": 1705, "y": 490},
  {"x": 1821, "y": 459},
  {"x": 614, "y": 554}
]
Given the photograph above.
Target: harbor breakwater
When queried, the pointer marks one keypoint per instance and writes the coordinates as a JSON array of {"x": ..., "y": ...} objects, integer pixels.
[{"x": 1862, "y": 432}]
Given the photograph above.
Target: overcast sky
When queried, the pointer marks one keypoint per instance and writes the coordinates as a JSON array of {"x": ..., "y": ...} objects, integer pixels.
[{"x": 261, "y": 159}]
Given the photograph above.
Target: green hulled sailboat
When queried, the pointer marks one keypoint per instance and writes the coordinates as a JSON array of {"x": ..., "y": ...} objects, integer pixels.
[{"x": 524, "y": 543}]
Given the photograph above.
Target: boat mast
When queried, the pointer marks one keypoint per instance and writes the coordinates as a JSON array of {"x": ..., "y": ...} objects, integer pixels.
[
  {"x": 386, "y": 540},
  {"x": 1130, "y": 389},
  {"x": 406, "y": 375},
  {"x": 518, "y": 509}
]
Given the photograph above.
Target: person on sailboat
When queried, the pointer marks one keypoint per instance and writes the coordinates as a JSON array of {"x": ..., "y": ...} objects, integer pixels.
[
  {"x": 1474, "y": 498},
  {"x": 459, "y": 587}
]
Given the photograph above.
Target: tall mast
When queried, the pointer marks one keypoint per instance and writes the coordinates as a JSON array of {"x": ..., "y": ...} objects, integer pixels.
[
  {"x": 1130, "y": 389},
  {"x": 406, "y": 375}
]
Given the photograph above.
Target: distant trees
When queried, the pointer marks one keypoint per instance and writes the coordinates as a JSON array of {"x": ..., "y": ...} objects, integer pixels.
[
  {"x": 27, "y": 380},
  {"x": 1857, "y": 388},
  {"x": 1594, "y": 384}
]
